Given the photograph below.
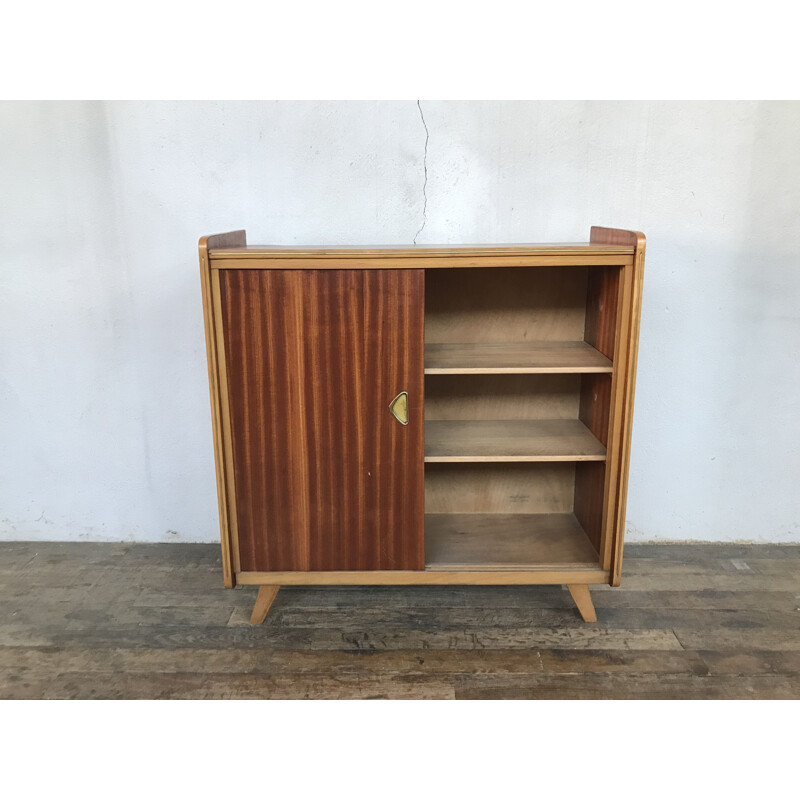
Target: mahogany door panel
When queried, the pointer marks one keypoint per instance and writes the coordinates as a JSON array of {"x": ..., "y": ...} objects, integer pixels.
[
  {"x": 325, "y": 477},
  {"x": 262, "y": 323}
]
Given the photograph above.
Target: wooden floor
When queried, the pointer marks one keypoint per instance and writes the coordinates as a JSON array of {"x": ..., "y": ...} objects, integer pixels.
[{"x": 152, "y": 621}]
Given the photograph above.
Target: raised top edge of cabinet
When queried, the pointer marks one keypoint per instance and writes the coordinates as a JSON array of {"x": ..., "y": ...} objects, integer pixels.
[
  {"x": 541, "y": 255},
  {"x": 428, "y": 251}
]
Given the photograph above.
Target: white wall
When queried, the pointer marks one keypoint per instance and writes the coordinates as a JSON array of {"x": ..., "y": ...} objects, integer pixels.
[{"x": 105, "y": 428}]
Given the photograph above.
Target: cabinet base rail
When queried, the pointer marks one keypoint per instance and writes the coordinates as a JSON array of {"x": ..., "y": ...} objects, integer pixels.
[
  {"x": 268, "y": 593},
  {"x": 452, "y": 576}
]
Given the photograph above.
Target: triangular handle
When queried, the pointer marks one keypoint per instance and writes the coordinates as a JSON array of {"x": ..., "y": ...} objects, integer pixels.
[{"x": 399, "y": 408}]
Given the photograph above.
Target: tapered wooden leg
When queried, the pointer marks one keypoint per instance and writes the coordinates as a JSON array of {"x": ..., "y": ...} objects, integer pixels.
[
  {"x": 266, "y": 594},
  {"x": 580, "y": 594}
]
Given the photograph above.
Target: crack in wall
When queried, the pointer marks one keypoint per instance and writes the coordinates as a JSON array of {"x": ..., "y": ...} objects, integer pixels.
[{"x": 425, "y": 182}]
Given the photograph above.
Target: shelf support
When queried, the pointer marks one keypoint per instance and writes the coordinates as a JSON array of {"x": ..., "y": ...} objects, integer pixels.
[
  {"x": 580, "y": 594},
  {"x": 266, "y": 595}
]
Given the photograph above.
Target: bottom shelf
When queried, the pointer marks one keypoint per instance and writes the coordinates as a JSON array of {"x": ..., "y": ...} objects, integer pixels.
[{"x": 506, "y": 542}]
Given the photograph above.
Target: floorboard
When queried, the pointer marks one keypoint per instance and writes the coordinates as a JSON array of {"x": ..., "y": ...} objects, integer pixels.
[{"x": 117, "y": 621}]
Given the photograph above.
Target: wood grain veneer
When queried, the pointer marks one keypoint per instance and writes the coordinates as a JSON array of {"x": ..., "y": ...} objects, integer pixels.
[
  {"x": 602, "y": 322},
  {"x": 602, "y": 299},
  {"x": 595, "y": 404},
  {"x": 325, "y": 478},
  {"x": 589, "y": 500},
  {"x": 262, "y": 322}
]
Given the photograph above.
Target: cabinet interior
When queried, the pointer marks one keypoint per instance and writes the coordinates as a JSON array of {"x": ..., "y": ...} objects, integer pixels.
[{"x": 518, "y": 379}]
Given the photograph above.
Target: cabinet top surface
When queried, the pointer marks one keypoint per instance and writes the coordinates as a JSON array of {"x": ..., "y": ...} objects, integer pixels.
[{"x": 426, "y": 251}]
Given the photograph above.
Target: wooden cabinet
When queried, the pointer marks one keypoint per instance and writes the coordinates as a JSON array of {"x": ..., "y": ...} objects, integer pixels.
[{"x": 422, "y": 416}]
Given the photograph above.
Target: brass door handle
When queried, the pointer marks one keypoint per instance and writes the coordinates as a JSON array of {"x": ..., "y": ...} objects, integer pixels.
[{"x": 399, "y": 408}]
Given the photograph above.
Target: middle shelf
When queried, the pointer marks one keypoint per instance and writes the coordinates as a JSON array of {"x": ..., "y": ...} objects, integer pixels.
[
  {"x": 503, "y": 358},
  {"x": 511, "y": 440}
]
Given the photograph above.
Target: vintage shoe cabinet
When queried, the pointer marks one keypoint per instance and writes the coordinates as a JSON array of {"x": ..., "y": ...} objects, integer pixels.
[{"x": 451, "y": 415}]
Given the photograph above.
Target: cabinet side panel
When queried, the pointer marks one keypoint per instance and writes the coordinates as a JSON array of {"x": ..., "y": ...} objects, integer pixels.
[
  {"x": 590, "y": 479},
  {"x": 263, "y": 335},
  {"x": 601, "y": 309},
  {"x": 211, "y": 322},
  {"x": 626, "y": 348},
  {"x": 595, "y": 404}
]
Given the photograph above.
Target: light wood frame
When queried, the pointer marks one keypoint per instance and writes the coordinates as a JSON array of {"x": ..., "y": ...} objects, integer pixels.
[{"x": 218, "y": 393}]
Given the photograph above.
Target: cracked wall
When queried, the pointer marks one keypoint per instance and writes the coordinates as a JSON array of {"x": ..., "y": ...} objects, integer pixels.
[{"x": 105, "y": 430}]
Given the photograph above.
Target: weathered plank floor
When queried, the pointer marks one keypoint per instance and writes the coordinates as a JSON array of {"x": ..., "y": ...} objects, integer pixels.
[{"x": 152, "y": 621}]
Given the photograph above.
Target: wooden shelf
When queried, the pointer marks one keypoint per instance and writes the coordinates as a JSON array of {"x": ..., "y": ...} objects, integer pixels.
[
  {"x": 511, "y": 440},
  {"x": 506, "y": 542},
  {"x": 487, "y": 358}
]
